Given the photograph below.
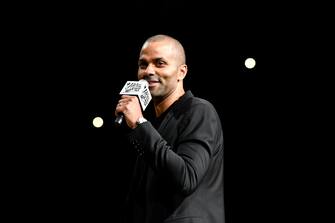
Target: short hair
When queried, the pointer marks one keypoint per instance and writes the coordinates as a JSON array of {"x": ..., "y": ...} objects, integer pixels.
[{"x": 175, "y": 42}]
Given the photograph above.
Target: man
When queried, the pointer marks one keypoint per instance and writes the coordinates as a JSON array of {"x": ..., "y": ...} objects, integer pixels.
[{"x": 178, "y": 175}]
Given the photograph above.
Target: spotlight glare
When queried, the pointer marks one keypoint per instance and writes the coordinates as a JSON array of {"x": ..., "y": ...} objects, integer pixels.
[
  {"x": 98, "y": 122},
  {"x": 250, "y": 63}
]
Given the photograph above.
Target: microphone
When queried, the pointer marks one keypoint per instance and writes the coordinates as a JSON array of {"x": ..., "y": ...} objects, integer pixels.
[{"x": 141, "y": 90}]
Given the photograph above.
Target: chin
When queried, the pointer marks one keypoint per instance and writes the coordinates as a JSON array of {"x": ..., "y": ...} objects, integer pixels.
[
  {"x": 154, "y": 91},
  {"x": 156, "y": 94}
]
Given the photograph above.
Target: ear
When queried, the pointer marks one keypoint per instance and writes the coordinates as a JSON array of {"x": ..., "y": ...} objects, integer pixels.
[{"x": 182, "y": 72}]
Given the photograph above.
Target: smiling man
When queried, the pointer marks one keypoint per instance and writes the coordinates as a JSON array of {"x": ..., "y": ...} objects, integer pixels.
[{"x": 178, "y": 174}]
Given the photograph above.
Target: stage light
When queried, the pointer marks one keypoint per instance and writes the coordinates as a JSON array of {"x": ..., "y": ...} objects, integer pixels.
[
  {"x": 98, "y": 122},
  {"x": 250, "y": 63}
]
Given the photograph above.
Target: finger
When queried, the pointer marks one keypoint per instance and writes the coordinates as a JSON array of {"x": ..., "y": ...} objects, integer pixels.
[{"x": 125, "y": 96}]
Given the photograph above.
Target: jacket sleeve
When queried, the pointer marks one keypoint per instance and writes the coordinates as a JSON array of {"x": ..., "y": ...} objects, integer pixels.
[{"x": 186, "y": 164}]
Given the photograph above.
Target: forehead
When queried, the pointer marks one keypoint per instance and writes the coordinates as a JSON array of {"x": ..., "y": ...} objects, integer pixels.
[{"x": 164, "y": 49}]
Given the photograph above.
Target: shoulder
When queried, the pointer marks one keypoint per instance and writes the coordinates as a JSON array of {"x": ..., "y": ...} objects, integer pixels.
[
  {"x": 199, "y": 117},
  {"x": 196, "y": 101},
  {"x": 197, "y": 108},
  {"x": 197, "y": 104}
]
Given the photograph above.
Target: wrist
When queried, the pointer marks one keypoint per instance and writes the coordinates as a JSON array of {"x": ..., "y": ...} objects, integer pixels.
[{"x": 140, "y": 121}]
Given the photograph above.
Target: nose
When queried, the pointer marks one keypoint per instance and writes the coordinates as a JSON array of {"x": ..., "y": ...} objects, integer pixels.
[
  {"x": 147, "y": 72},
  {"x": 149, "y": 69}
]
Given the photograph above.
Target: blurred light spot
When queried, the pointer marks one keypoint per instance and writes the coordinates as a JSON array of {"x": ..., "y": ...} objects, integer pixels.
[
  {"x": 98, "y": 122},
  {"x": 250, "y": 63}
]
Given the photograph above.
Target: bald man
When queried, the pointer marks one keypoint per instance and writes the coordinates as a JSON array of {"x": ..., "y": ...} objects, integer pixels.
[{"x": 178, "y": 174}]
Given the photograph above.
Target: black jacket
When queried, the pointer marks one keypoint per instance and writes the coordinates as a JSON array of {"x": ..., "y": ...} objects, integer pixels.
[{"x": 178, "y": 175}]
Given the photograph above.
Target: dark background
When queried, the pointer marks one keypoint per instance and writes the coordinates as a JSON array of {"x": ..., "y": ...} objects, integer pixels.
[{"x": 67, "y": 63}]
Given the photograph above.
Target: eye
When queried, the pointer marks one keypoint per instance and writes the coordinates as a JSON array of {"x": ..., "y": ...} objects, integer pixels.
[
  {"x": 160, "y": 63},
  {"x": 142, "y": 64}
]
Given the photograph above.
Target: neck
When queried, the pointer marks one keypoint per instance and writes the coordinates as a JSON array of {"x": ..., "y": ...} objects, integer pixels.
[{"x": 163, "y": 105}]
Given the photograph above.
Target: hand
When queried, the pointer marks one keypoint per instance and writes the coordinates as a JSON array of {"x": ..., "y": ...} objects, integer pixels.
[{"x": 130, "y": 107}]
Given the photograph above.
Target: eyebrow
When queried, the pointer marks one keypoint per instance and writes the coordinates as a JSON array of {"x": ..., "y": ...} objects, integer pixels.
[{"x": 155, "y": 59}]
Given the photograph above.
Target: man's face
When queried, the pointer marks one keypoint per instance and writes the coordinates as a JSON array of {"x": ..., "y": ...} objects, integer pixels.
[{"x": 160, "y": 66}]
